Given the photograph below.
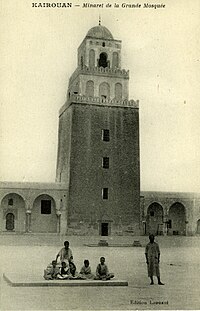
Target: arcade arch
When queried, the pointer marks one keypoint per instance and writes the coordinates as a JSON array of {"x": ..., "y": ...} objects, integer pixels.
[
  {"x": 154, "y": 223},
  {"x": 12, "y": 213},
  {"x": 43, "y": 215},
  {"x": 177, "y": 219}
]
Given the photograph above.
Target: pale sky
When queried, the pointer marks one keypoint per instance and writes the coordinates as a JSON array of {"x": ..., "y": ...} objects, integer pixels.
[{"x": 160, "y": 47}]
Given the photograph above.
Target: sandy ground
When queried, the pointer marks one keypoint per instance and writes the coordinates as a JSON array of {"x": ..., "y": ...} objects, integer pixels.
[{"x": 180, "y": 268}]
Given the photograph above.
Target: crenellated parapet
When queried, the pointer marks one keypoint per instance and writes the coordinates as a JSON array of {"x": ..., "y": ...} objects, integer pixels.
[
  {"x": 81, "y": 99},
  {"x": 100, "y": 71}
]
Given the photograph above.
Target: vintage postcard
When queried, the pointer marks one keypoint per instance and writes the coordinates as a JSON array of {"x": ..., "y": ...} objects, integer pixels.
[{"x": 99, "y": 155}]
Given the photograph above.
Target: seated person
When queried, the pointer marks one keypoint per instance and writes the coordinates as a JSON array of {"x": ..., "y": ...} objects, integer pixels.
[
  {"x": 85, "y": 272},
  {"x": 67, "y": 271},
  {"x": 72, "y": 268},
  {"x": 52, "y": 271},
  {"x": 64, "y": 271},
  {"x": 102, "y": 272}
]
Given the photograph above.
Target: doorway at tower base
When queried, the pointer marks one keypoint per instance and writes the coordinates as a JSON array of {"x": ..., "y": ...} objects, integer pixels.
[{"x": 104, "y": 225}]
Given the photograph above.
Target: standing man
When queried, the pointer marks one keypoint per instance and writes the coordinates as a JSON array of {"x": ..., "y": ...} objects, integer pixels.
[{"x": 152, "y": 253}]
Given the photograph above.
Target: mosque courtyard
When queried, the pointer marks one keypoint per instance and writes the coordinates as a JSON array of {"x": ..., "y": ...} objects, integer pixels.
[{"x": 29, "y": 255}]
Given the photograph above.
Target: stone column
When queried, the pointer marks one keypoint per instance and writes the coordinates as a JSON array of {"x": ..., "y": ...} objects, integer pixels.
[
  {"x": 63, "y": 217},
  {"x": 144, "y": 228},
  {"x": 58, "y": 214},
  {"x": 142, "y": 221},
  {"x": 190, "y": 210},
  {"x": 28, "y": 220},
  {"x": 165, "y": 224},
  {"x": 120, "y": 227}
]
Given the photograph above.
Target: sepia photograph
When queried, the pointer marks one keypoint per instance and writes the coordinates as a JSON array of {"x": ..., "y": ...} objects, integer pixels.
[{"x": 100, "y": 155}]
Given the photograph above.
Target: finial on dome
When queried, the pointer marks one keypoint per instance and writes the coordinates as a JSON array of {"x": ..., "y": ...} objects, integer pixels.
[{"x": 99, "y": 20}]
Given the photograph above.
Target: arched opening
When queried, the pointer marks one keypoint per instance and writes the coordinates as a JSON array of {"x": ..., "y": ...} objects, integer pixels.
[
  {"x": 92, "y": 58},
  {"x": 103, "y": 62},
  {"x": 12, "y": 213},
  {"x": 154, "y": 224},
  {"x": 198, "y": 226},
  {"x": 43, "y": 216},
  {"x": 115, "y": 60},
  {"x": 118, "y": 91},
  {"x": 90, "y": 88},
  {"x": 177, "y": 219},
  {"x": 10, "y": 202},
  {"x": 104, "y": 90},
  {"x": 10, "y": 222}
]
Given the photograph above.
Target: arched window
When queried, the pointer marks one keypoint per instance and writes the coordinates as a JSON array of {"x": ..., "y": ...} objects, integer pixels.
[
  {"x": 89, "y": 88},
  {"x": 104, "y": 90},
  {"x": 103, "y": 62},
  {"x": 91, "y": 58},
  {"x": 118, "y": 91},
  {"x": 115, "y": 60}
]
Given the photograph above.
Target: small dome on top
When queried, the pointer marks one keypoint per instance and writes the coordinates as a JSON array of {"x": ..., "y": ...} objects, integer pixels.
[{"x": 99, "y": 32}]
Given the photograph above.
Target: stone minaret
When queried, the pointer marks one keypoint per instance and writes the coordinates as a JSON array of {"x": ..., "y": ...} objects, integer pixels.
[{"x": 98, "y": 147}]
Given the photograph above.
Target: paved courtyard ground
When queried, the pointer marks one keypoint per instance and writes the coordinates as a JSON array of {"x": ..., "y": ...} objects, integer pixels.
[{"x": 180, "y": 268}]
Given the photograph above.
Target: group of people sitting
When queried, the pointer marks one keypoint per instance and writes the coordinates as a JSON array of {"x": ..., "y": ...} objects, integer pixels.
[{"x": 66, "y": 269}]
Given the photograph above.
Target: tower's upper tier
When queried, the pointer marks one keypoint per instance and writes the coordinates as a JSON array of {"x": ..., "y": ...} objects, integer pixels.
[
  {"x": 98, "y": 76},
  {"x": 99, "y": 32}
]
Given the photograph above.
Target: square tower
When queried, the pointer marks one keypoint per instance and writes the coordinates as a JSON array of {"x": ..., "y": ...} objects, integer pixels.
[{"x": 98, "y": 145}]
